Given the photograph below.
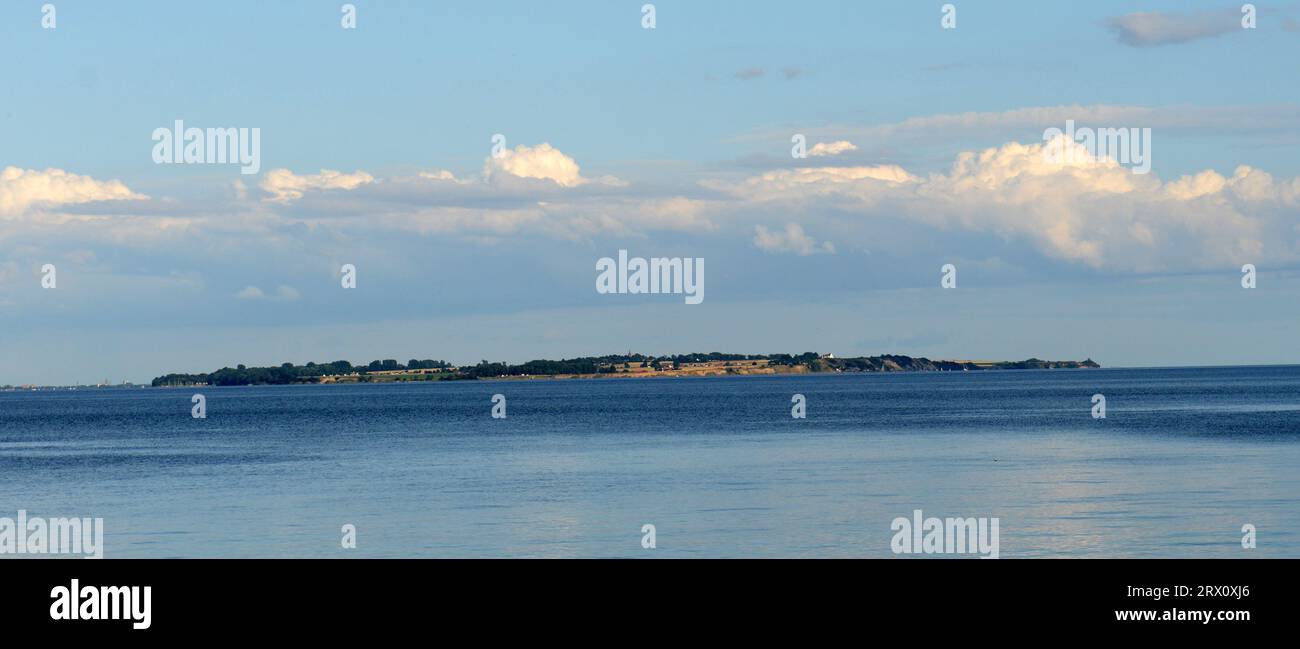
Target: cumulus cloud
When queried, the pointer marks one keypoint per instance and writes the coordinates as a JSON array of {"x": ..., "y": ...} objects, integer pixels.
[
  {"x": 23, "y": 189},
  {"x": 822, "y": 149},
  {"x": 528, "y": 189},
  {"x": 1085, "y": 211},
  {"x": 801, "y": 183},
  {"x": 543, "y": 162},
  {"x": 285, "y": 186},
  {"x": 793, "y": 239},
  {"x": 1090, "y": 211},
  {"x": 1149, "y": 29},
  {"x": 441, "y": 174}
]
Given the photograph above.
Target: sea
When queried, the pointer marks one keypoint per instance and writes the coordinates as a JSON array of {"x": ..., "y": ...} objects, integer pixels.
[{"x": 1185, "y": 462}]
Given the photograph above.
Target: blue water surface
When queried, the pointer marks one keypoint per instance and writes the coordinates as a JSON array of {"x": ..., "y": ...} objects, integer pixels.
[{"x": 1184, "y": 459}]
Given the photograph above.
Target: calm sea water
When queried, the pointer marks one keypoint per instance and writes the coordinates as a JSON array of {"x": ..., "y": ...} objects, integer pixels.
[{"x": 1184, "y": 458}]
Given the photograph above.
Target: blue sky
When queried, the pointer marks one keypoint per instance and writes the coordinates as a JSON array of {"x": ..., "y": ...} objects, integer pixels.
[{"x": 666, "y": 142}]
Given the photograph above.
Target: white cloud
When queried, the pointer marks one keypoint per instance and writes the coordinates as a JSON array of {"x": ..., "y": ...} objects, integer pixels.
[
  {"x": 822, "y": 149},
  {"x": 1091, "y": 212},
  {"x": 441, "y": 174},
  {"x": 800, "y": 183},
  {"x": 543, "y": 162},
  {"x": 793, "y": 239},
  {"x": 285, "y": 186},
  {"x": 530, "y": 188},
  {"x": 23, "y": 189},
  {"x": 1094, "y": 212}
]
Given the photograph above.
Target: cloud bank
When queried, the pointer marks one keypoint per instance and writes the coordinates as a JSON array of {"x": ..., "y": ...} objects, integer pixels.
[
  {"x": 1087, "y": 212},
  {"x": 543, "y": 162},
  {"x": 1092, "y": 212},
  {"x": 284, "y": 186},
  {"x": 25, "y": 189}
]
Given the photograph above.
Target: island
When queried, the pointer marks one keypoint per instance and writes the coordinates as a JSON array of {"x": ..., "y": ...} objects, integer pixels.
[{"x": 613, "y": 366}]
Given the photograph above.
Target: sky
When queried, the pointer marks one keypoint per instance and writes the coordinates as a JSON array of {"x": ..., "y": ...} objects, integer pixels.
[{"x": 925, "y": 146}]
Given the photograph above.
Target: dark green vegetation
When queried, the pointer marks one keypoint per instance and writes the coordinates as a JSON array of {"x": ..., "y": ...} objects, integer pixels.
[
  {"x": 430, "y": 370},
  {"x": 290, "y": 373}
]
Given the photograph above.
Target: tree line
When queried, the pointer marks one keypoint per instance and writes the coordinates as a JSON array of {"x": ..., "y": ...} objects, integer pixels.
[{"x": 288, "y": 373}]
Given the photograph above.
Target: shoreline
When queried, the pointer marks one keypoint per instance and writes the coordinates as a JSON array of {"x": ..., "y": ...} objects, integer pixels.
[
  {"x": 139, "y": 386},
  {"x": 614, "y": 366},
  {"x": 560, "y": 377},
  {"x": 631, "y": 365}
]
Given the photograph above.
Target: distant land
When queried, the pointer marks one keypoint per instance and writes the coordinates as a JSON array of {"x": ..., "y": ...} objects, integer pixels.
[{"x": 616, "y": 366}]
